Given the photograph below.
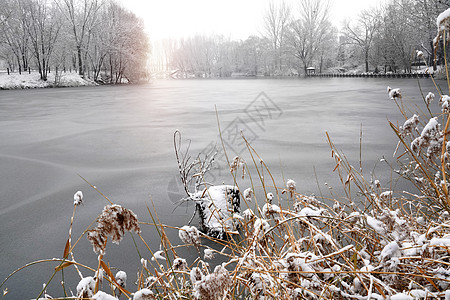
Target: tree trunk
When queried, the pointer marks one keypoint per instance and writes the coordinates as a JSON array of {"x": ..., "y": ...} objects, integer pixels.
[
  {"x": 44, "y": 70},
  {"x": 366, "y": 57},
  {"x": 80, "y": 61},
  {"x": 432, "y": 60}
]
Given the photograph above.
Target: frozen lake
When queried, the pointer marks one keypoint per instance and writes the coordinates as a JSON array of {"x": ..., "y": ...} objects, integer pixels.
[{"x": 120, "y": 138}]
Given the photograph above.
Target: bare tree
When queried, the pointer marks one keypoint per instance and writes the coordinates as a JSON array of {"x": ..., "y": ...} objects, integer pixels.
[
  {"x": 14, "y": 32},
  {"x": 43, "y": 23},
  {"x": 422, "y": 15},
  {"x": 363, "y": 31},
  {"x": 82, "y": 15},
  {"x": 327, "y": 47},
  {"x": 399, "y": 36},
  {"x": 276, "y": 22},
  {"x": 308, "y": 31},
  {"x": 127, "y": 44}
]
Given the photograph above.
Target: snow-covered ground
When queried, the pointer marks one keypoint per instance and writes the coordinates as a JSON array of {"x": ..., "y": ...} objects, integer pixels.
[{"x": 29, "y": 81}]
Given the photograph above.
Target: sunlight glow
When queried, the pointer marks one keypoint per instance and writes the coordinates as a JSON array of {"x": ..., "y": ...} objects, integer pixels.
[{"x": 236, "y": 19}]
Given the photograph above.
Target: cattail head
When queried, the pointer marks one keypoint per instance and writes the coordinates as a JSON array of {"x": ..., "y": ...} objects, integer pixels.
[
  {"x": 86, "y": 287},
  {"x": 410, "y": 124},
  {"x": 196, "y": 274},
  {"x": 260, "y": 228},
  {"x": 248, "y": 214},
  {"x": 209, "y": 254},
  {"x": 150, "y": 281},
  {"x": 121, "y": 278},
  {"x": 144, "y": 263},
  {"x": 394, "y": 93},
  {"x": 269, "y": 197},
  {"x": 443, "y": 24},
  {"x": 114, "y": 221},
  {"x": 214, "y": 285},
  {"x": 78, "y": 198},
  {"x": 236, "y": 163},
  {"x": 143, "y": 294},
  {"x": 248, "y": 193},
  {"x": 180, "y": 264},
  {"x": 270, "y": 210},
  {"x": 291, "y": 185},
  {"x": 190, "y": 235},
  {"x": 419, "y": 54},
  {"x": 430, "y": 97}
]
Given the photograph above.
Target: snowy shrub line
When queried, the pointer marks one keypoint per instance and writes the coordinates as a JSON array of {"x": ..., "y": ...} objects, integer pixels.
[{"x": 31, "y": 81}]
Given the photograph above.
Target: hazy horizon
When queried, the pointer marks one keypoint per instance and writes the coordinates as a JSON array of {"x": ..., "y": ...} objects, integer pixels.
[{"x": 234, "y": 19}]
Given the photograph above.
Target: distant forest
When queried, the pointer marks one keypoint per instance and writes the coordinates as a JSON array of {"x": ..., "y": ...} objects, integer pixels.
[
  {"x": 379, "y": 39},
  {"x": 99, "y": 39},
  {"x": 102, "y": 40}
]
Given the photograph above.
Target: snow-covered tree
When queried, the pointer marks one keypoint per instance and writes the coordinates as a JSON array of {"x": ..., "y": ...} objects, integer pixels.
[
  {"x": 43, "y": 23},
  {"x": 362, "y": 32},
  {"x": 81, "y": 16},
  {"x": 276, "y": 22},
  {"x": 13, "y": 33},
  {"x": 127, "y": 44},
  {"x": 308, "y": 31}
]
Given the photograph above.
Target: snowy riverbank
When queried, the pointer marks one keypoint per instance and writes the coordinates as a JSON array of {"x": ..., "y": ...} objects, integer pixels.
[{"x": 30, "y": 81}]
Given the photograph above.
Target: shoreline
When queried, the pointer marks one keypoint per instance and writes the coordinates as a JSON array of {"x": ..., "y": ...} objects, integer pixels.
[
  {"x": 15, "y": 81},
  {"x": 25, "y": 81}
]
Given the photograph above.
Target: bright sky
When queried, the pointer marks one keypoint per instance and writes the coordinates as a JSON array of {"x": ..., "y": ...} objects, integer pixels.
[{"x": 234, "y": 18}]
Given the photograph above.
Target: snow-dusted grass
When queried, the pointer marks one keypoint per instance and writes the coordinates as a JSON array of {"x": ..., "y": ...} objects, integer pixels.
[
  {"x": 373, "y": 244},
  {"x": 30, "y": 81}
]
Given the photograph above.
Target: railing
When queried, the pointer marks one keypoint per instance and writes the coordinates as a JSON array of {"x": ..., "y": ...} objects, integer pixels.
[{"x": 373, "y": 75}]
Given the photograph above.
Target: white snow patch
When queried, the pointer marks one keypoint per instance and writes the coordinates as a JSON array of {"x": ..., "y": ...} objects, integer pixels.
[
  {"x": 103, "y": 296},
  {"x": 377, "y": 225},
  {"x": 217, "y": 207},
  {"x": 158, "y": 255},
  {"x": 401, "y": 296},
  {"x": 29, "y": 81},
  {"x": 442, "y": 16},
  {"x": 389, "y": 250},
  {"x": 143, "y": 294},
  {"x": 445, "y": 241},
  {"x": 309, "y": 212}
]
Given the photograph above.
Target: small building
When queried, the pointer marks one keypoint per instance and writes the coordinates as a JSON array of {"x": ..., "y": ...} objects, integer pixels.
[{"x": 310, "y": 70}]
